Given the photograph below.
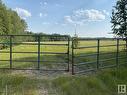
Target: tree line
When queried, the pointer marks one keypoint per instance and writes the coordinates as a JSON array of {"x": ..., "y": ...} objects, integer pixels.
[
  {"x": 47, "y": 37},
  {"x": 11, "y": 23}
]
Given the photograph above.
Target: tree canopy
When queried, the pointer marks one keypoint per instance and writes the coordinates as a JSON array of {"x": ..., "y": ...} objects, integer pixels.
[
  {"x": 119, "y": 18},
  {"x": 10, "y": 22}
]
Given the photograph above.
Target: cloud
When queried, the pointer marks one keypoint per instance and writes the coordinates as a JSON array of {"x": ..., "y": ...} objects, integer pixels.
[
  {"x": 92, "y": 15},
  {"x": 23, "y": 13},
  {"x": 43, "y": 14},
  {"x": 68, "y": 19},
  {"x": 45, "y": 23},
  {"x": 58, "y": 5},
  {"x": 43, "y": 3},
  {"x": 81, "y": 16},
  {"x": 56, "y": 23},
  {"x": 63, "y": 24},
  {"x": 106, "y": 13},
  {"x": 40, "y": 14}
]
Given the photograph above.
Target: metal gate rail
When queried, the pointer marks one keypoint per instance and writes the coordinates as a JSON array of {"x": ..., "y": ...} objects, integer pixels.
[
  {"x": 97, "y": 54},
  {"x": 38, "y": 44}
]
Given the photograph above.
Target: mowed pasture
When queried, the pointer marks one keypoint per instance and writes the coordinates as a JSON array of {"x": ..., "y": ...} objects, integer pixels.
[
  {"x": 86, "y": 58},
  {"x": 59, "y": 61},
  {"x": 26, "y": 56}
]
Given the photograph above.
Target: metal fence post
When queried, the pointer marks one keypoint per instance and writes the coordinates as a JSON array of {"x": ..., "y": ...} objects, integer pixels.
[
  {"x": 98, "y": 52},
  {"x": 10, "y": 51},
  {"x": 38, "y": 52},
  {"x": 68, "y": 53},
  {"x": 117, "y": 54},
  {"x": 72, "y": 57}
]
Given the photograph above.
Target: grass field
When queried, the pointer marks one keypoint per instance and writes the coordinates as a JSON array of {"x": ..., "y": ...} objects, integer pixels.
[
  {"x": 104, "y": 82},
  {"x": 60, "y": 58}
]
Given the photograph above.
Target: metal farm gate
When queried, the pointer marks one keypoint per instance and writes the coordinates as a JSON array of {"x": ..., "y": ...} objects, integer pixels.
[
  {"x": 93, "y": 54},
  {"x": 34, "y": 52},
  {"x": 52, "y": 53}
]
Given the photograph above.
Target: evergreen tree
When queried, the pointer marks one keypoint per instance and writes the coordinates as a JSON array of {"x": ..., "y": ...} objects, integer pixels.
[{"x": 119, "y": 19}]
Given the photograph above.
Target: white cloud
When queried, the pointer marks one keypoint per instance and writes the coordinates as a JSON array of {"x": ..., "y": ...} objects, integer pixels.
[
  {"x": 23, "y": 13},
  {"x": 68, "y": 19},
  {"x": 58, "y": 5},
  {"x": 63, "y": 24},
  {"x": 43, "y": 14},
  {"x": 45, "y": 3},
  {"x": 56, "y": 23},
  {"x": 40, "y": 14},
  {"x": 92, "y": 15},
  {"x": 45, "y": 23},
  {"x": 81, "y": 16},
  {"x": 41, "y": 3},
  {"x": 106, "y": 13}
]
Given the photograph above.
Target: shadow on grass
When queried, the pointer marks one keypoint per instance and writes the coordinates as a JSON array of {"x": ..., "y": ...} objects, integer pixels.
[
  {"x": 89, "y": 61},
  {"x": 47, "y": 61},
  {"x": 60, "y": 62}
]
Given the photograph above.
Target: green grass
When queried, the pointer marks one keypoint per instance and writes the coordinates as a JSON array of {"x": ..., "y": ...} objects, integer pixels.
[
  {"x": 19, "y": 84},
  {"x": 60, "y": 58},
  {"x": 103, "y": 82},
  {"x": 33, "y": 57}
]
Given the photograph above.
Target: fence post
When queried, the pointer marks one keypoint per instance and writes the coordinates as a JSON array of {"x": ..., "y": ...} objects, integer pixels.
[
  {"x": 10, "y": 51},
  {"x": 38, "y": 52},
  {"x": 98, "y": 52},
  {"x": 68, "y": 53},
  {"x": 117, "y": 53},
  {"x": 72, "y": 57},
  {"x": 6, "y": 90}
]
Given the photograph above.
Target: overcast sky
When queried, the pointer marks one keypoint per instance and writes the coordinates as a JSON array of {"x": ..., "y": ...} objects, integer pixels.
[{"x": 60, "y": 16}]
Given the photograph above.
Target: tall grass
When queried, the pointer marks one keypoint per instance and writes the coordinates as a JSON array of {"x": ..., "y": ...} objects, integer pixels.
[{"x": 102, "y": 83}]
